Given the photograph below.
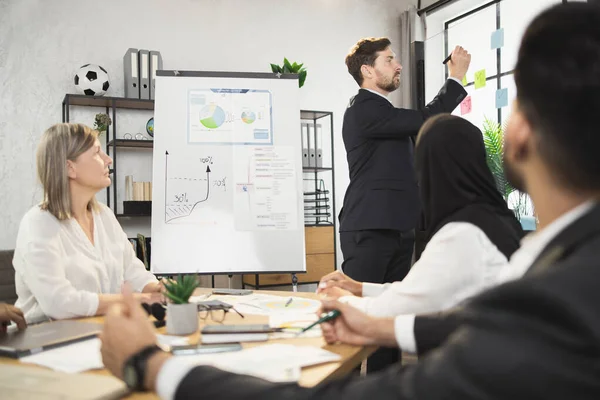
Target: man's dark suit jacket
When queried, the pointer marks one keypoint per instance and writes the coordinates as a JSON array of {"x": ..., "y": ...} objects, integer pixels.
[
  {"x": 534, "y": 338},
  {"x": 383, "y": 190}
]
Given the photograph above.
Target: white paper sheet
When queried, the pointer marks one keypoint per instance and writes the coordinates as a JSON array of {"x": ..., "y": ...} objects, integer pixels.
[
  {"x": 73, "y": 358},
  {"x": 274, "y": 362}
]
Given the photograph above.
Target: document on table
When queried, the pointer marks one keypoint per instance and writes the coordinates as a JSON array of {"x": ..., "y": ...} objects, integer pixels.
[
  {"x": 273, "y": 362},
  {"x": 84, "y": 355},
  {"x": 72, "y": 358}
]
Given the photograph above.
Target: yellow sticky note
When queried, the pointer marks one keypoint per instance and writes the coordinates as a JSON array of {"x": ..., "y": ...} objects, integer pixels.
[
  {"x": 480, "y": 79},
  {"x": 464, "y": 81}
]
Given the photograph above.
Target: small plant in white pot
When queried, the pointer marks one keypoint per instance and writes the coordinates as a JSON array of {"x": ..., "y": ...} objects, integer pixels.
[{"x": 182, "y": 316}]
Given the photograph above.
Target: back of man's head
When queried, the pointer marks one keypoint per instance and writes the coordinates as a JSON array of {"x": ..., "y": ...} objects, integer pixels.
[{"x": 558, "y": 91}]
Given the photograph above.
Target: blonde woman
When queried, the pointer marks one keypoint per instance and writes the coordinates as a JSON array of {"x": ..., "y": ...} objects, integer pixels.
[{"x": 72, "y": 255}]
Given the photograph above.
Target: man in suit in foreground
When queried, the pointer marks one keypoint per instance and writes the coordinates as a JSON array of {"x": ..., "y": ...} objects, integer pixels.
[
  {"x": 534, "y": 338},
  {"x": 381, "y": 205}
]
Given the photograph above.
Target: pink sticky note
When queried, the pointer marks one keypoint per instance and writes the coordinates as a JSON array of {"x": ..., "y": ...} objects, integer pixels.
[{"x": 465, "y": 106}]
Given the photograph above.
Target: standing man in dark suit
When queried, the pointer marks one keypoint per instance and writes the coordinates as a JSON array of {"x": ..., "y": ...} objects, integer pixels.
[{"x": 381, "y": 206}]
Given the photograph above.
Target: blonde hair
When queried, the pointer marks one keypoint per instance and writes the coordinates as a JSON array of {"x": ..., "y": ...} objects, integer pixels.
[{"x": 61, "y": 142}]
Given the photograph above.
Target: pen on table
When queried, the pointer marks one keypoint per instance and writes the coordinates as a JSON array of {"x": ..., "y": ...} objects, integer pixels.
[
  {"x": 333, "y": 314},
  {"x": 447, "y": 59},
  {"x": 287, "y": 303}
]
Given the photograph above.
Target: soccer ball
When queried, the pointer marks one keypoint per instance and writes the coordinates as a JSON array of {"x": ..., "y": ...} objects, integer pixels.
[{"x": 92, "y": 80}]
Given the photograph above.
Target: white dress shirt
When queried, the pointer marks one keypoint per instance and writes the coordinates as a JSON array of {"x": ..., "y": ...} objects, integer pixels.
[
  {"x": 60, "y": 273},
  {"x": 531, "y": 247}
]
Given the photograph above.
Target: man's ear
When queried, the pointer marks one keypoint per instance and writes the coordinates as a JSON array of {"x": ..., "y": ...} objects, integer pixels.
[
  {"x": 366, "y": 71},
  {"x": 71, "y": 170},
  {"x": 520, "y": 135}
]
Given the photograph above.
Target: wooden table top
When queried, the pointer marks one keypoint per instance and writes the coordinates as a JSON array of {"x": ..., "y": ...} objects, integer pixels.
[{"x": 351, "y": 356}]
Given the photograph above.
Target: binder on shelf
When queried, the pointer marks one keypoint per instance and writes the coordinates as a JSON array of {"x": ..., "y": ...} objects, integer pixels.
[
  {"x": 131, "y": 73},
  {"x": 304, "y": 133},
  {"x": 319, "y": 146},
  {"x": 156, "y": 63},
  {"x": 144, "y": 57},
  {"x": 311, "y": 149}
]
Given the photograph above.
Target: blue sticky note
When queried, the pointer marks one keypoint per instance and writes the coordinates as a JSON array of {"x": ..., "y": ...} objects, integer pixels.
[
  {"x": 498, "y": 39},
  {"x": 501, "y": 98}
]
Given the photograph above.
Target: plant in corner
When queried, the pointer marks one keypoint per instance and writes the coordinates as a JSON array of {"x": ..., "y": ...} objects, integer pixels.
[
  {"x": 288, "y": 68},
  {"x": 182, "y": 316},
  {"x": 493, "y": 138},
  {"x": 102, "y": 122}
]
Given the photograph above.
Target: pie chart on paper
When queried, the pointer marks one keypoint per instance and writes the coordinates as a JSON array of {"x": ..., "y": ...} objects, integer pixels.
[
  {"x": 248, "y": 117},
  {"x": 212, "y": 116}
]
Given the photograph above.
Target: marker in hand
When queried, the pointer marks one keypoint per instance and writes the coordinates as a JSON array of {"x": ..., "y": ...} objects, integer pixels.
[{"x": 331, "y": 315}]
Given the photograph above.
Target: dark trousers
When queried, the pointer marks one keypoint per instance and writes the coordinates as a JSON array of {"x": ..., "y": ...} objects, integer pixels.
[{"x": 378, "y": 256}]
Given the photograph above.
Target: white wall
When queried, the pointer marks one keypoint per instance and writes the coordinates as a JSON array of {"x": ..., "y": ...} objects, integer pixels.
[{"x": 42, "y": 44}]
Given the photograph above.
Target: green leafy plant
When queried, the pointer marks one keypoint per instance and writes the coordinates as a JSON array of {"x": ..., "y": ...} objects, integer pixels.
[
  {"x": 288, "y": 68},
  {"x": 102, "y": 122},
  {"x": 180, "y": 290},
  {"x": 493, "y": 138}
]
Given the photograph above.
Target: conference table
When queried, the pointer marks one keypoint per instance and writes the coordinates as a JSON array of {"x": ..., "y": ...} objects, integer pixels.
[{"x": 351, "y": 356}]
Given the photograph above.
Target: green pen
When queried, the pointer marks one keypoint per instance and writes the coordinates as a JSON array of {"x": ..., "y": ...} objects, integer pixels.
[{"x": 333, "y": 314}]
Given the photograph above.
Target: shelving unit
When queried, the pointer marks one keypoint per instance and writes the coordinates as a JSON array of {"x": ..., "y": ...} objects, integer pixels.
[{"x": 111, "y": 104}]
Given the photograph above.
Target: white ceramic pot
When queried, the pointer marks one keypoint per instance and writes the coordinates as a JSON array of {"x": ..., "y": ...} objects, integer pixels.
[{"x": 182, "y": 319}]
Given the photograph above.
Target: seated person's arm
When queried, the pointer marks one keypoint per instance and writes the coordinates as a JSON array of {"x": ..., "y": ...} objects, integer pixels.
[{"x": 451, "y": 269}]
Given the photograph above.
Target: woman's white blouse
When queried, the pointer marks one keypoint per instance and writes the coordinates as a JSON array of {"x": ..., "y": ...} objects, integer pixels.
[
  {"x": 60, "y": 273},
  {"x": 458, "y": 262}
]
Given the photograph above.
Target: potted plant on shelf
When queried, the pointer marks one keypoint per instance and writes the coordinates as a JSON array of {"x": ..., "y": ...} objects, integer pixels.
[
  {"x": 102, "y": 122},
  {"x": 288, "y": 68},
  {"x": 493, "y": 138},
  {"x": 182, "y": 316}
]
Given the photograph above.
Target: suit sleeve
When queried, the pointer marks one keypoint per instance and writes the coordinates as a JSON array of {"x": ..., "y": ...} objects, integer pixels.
[{"x": 384, "y": 122}]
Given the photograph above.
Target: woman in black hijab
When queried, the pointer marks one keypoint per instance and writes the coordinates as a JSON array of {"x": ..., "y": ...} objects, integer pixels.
[{"x": 456, "y": 184}]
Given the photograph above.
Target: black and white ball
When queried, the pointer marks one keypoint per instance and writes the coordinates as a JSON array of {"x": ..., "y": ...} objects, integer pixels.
[{"x": 92, "y": 80}]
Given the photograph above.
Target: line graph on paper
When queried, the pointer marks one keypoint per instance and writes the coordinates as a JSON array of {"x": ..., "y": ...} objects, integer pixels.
[{"x": 187, "y": 194}]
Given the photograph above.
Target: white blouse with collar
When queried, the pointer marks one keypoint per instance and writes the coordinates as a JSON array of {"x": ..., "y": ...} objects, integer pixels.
[
  {"x": 458, "y": 262},
  {"x": 60, "y": 273}
]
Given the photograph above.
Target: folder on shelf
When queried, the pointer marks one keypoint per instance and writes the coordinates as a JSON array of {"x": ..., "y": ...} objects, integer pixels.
[
  {"x": 131, "y": 73},
  {"x": 156, "y": 63},
  {"x": 144, "y": 57},
  {"x": 304, "y": 133},
  {"x": 311, "y": 148},
  {"x": 319, "y": 146}
]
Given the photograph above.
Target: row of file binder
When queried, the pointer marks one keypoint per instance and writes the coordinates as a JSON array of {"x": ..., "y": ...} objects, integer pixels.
[{"x": 139, "y": 67}]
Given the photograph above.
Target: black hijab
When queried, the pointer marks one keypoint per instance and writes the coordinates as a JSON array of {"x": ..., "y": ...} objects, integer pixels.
[{"x": 456, "y": 184}]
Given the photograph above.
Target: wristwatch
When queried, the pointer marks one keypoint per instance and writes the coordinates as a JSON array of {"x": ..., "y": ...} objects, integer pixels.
[{"x": 134, "y": 370}]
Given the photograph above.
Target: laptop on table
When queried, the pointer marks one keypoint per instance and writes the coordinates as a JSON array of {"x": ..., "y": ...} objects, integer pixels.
[{"x": 36, "y": 338}]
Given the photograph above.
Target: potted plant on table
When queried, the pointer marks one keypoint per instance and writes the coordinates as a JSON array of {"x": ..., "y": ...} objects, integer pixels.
[{"x": 182, "y": 316}]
